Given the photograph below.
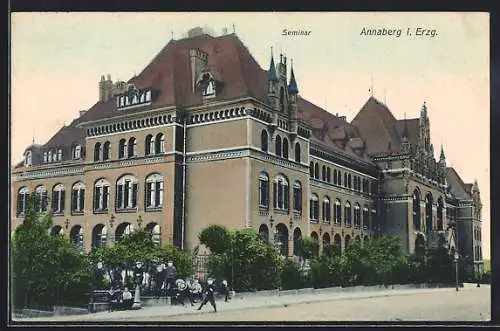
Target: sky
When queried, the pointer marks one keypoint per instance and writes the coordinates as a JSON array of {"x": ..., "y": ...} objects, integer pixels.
[{"x": 57, "y": 60}]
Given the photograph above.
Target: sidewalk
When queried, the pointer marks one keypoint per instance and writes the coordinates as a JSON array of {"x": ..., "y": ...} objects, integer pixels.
[{"x": 243, "y": 303}]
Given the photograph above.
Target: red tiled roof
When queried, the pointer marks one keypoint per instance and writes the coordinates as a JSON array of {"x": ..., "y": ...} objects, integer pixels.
[{"x": 458, "y": 188}]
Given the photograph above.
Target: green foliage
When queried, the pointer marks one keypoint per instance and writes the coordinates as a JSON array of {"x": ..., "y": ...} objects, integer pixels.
[
  {"x": 46, "y": 269},
  {"x": 308, "y": 248},
  {"x": 255, "y": 263},
  {"x": 217, "y": 238},
  {"x": 439, "y": 266},
  {"x": 291, "y": 275}
]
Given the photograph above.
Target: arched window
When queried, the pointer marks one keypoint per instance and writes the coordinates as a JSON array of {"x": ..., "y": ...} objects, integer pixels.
[
  {"x": 297, "y": 152},
  {"x": 264, "y": 141},
  {"x": 337, "y": 212},
  {"x": 282, "y": 99},
  {"x": 328, "y": 175},
  {"x": 347, "y": 240},
  {"x": 347, "y": 213},
  {"x": 326, "y": 210},
  {"x": 160, "y": 143},
  {"x": 278, "y": 146},
  {"x": 154, "y": 191},
  {"x": 131, "y": 147},
  {"x": 281, "y": 192},
  {"x": 285, "y": 148},
  {"x": 264, "y": 232},
  {"x": 297, "y": 235},
  {"x": 22, "y": 201},
  {"x": 416, "y": 209},
  {"x": 337, "y": 242},
  {"x": 49, "y": 158},
  {"x": 41, "y": 191},
  {"x": 440, "y": 214},
  {"x": 349, "y": 181},
  {"x": 106, "y": 151},
  {"x": 339, "y": 178},
  {"x": 99, "y": 235},
  {"x": 97, "y": 152},
  {"x": 316, "y": 170},
  {"x": 101, "y": 195},
  {"x": 150, "y": 143},
  {"x": 121, "y": 148},
  {"x": 59, "y": 155},
  {"x": 281, "y": 239},
  {"x": 357, "y": 215},
  {"x": 45, "y": 159},
  {"x": 122, "y": 230},
  {"x": 28, "y": 159},
  {"x": 311, "y": 169},
  {"x": 323, "y": 173},
  {"x": 264, "y": 190},
  {"x": 297, "y": 197},
  {"x": 126, "y": 192},
  {"x": 77, "y": 152},
  {"x": 155, "y": 231},
  {"x": 76, "y": 237},
  {"x": 335, "y": 181},
  {"x": 58, "y": 198},
  {"x": 314, "y": 208},
  {"x": 366, "y": 217},
  {"x": 78, "y": 198},
  {"x": 428, "y": 212},
  {"x": 54, "y": 156}
]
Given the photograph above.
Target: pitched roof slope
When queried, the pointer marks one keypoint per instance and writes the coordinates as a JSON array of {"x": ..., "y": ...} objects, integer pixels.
[
  {"x": 458, "y": 187},
  {"x": 377, "y": 126}
]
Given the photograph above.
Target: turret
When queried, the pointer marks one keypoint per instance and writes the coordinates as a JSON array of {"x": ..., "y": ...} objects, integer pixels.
[
  {"x": 293, "y": 91},
  {"x": 405, "y": 143},
  {"x": 272, "y": 84}
]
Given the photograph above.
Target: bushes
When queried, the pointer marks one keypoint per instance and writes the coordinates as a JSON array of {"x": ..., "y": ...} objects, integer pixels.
[{"x": 292, "y": 276}]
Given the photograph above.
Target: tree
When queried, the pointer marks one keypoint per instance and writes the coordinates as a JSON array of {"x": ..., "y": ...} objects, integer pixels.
[
  {"x": 217, "y": 238},
  {"x": 308, "y": 248},
  {"x": 46, "y": 269}
]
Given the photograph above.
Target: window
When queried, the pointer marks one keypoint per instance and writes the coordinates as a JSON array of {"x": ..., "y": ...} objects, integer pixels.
[
  {"x": 416, "y": 210},
  {"x": 49, "y": 158},
  {"x": 440, "y": 208},
  {"x": 347, "y": 214},
  {"x": 314, "y": 208},
  {"x": 160, "y": 143},
  {"x": 335, "y": 181},
  {"x": 316, "y": 170},
  {"x": 59, "y": 155},
  {"x": 285, "y": 148},
  {"x": 357, "y": 215},
  {"x": 154, "y": 191},
  {"x": 264, "y": 190},
  {"x": 77, "y": 152},
  {"x": 131, "y": 147},
  {"x": 58, "y": 198},
  {"x": 366, "y": 217},
  {"x": 297, "y": 197},
  {"x": 54, "y": 156},
  {"x": 278, "y": 146},
  {"x": 349, "y": 181},
  {"x": 28, "y": 159},
  {"x": 281, "y": 193},
  {"x": 101, "y": 195},
  {"x": 323, "y": 173},
  {"x": 78, "y": 198},
  {"x": 42, "y": 195},
  {"x": 126, "y": 192},
  {"x": 150, "y": 144},
  {"x": 121, "y": 148},
  {"x": 264, "y": 141},
  {"x": 297, "y": 152},
  {"x": 45, "y": 159},
  {"x": 345, "y": 179},
  {"x": 328, "y": 175},
  {"x": 97, "y": 152},
  {"x": 22, "y": 201},
  {"x": 326, "y": 210},
  {"x": 337, "y": 212},
  {"x": 106, "y": 151},
  {"x": 339, "y": 179},
  {"x": 282, "y": 99},
  {"x": 311, "y": 169}
]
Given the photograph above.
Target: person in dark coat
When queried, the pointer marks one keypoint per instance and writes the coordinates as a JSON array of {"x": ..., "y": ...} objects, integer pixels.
[
  {"x": 182, "y": 292},
  {"x": 209, "y": 292},
  {"x": 170, "y": 275},
  {"x": 224, "y": 290}
]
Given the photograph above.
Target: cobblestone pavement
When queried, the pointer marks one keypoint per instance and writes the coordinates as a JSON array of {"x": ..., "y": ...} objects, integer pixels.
[{"x": 444, "y": 304}]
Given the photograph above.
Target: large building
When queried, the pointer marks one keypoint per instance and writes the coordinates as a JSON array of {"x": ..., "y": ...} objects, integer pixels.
[{"x": 204, "y": 135}]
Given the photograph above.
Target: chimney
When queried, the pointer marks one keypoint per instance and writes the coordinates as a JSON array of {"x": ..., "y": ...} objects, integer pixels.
[
  {"x": 224, "y": 31},
  {"x": 82, "y": 112},
  {"x": 197, "y": 31},
  {"x": 342, "y": 118}
]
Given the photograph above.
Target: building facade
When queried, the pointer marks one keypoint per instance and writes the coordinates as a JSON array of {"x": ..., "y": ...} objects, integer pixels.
[{"x": 204, "y": 135}]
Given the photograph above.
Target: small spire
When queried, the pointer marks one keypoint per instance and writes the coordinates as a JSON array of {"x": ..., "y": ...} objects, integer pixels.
[
  {"x": 271, "y": 74},
  {"x": 234, "y": 28},
  {"x": 405, "y": 128},
  {"x": 292, "y": 87},
  {"x": 441, "y": 156},
  {"x": 171, "y": 34}
]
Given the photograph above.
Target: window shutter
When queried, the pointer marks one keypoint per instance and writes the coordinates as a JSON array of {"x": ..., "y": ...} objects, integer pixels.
[
  {"x": 119, "y": 190},
  {"x": 287, "y": 197},
  {"x": 96, "y": 197},
  {"x": 74, "y": 197},
  {"x": 105, "y": 195},
  {"x": 63, "y": 198},
  {"x": 82, "y": 199},
  {"x": 20, "y": 198},
  {"x": 275, "y": 195},
  {"x": 134, "y": 195},
  {"x": 147, "y": 195},
  {"x": 54, "y": 200}
]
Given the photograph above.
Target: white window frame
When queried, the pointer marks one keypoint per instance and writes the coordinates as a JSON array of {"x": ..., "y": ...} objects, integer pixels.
[
  {"x": 281, "y": 187},
  {"x": 263, "y": 178},
  {"x": 102, "y": 183},
  {"x": 80, "y": 189},
  {"x": 121, "y": 182},
  {"x": 154, "y": 179},
  {"x": 23, "y": 193},
  {"x": 58, "y": 188}
]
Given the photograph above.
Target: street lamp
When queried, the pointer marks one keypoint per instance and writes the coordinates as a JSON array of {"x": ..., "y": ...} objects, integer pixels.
[
  {"x": 478, "y": 274},
  {"x": 456, "y": 256}
]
